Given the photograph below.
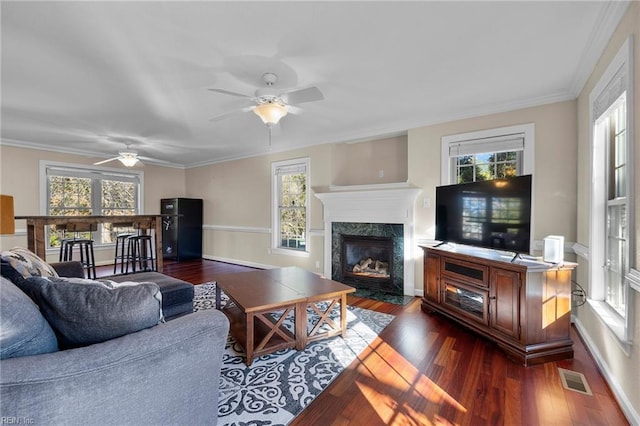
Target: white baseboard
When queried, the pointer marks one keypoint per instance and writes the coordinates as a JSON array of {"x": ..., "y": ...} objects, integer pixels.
[
  {"x": 627, "y": 408},
  {"x": 239, "y": 262}
]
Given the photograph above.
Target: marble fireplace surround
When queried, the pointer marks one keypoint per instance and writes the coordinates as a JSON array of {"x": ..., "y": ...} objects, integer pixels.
[{"x": 384, "y": 203}]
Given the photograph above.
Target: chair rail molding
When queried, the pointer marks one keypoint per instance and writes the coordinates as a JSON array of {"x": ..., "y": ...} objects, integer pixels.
[{"x": 581, "y": 250}]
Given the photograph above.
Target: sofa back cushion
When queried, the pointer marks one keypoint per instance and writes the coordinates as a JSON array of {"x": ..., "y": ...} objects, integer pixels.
[
  {"x": 23, "y": 329},
  {"x": 83, "y": 312}
]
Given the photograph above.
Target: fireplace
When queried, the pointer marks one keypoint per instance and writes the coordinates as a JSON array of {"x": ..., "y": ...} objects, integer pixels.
[
  {"x": 369, "y": 255},
  {"x": 384, "y": 210},
  {"x": 367, "y": 261}
]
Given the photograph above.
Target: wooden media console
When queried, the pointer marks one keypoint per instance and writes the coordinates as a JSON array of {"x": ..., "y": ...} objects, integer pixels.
[{"x": 524, "y": 306}]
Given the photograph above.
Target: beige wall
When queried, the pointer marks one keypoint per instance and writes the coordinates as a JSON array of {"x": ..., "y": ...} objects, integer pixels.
[
  {"x": 363, "y": 163},
  {"x": 19, "y": 177},
  {"x": 620, "y": 368}
]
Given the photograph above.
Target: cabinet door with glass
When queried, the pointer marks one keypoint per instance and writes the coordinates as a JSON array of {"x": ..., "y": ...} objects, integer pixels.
[{"x": 466, "y": 300}]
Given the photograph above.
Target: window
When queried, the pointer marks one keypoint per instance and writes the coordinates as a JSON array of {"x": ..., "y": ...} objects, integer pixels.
[
  {"x": 291, "y": 205},
  {"x": 487, "y": 166},
  {"x": 78, "y": 191},
  {"x": 616, "y": 253},
  {"x": 488, "y": 154},
  {"x": 612, "y": 196}
]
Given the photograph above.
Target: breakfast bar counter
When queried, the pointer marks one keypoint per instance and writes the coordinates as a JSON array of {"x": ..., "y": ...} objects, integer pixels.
[{"x": 36, "y": 233}]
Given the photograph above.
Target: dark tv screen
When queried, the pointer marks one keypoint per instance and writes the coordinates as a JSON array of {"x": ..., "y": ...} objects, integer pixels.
[{"x": 493, "y": 214}]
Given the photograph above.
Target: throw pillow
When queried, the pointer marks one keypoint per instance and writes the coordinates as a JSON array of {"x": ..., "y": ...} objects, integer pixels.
[
  {"x": 28, "y": 263},
  {"x": 24, "y": 330},
  {"x": 83, "y": 312},
  {"x": 10, "y": 272}
]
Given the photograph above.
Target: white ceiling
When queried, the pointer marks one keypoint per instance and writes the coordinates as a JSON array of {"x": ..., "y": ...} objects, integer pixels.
[{"x": 82, "y": 77}]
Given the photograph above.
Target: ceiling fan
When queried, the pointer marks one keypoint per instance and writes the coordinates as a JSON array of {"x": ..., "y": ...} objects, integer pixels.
[
  {"x": 127, "y": 157},
  {"x": 271, "y": 104}
]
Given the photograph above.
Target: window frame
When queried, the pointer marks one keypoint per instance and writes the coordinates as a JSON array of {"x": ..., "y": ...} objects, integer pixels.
[
  {"x": 276, "y": 248},
  {"x": 83, "y": 171},
  {"x": 616, "y": 80},
  {"x": 490, "y": 138}
]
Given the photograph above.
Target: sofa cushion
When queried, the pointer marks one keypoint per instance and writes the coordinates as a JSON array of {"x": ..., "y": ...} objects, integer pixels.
[
  {"x": 24, "y": 329},
  {"x": 83, "y": 312},
  {"x": 27, "y": 263},
  {"x": 177, "y": 295}
]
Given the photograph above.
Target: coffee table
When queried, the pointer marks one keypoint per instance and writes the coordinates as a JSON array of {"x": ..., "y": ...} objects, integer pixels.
[{"x": 260, "y": 301}]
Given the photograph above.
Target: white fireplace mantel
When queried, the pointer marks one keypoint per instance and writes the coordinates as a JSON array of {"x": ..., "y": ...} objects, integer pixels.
[{"x": 385, "y": 203}]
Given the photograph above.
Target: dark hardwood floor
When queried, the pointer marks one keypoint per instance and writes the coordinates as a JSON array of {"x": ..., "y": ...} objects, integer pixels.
[{"x": 425, "y": 370}]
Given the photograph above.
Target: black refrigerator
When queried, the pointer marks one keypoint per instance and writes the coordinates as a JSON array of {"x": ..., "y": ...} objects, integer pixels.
[{"x": 182, "y": 230}]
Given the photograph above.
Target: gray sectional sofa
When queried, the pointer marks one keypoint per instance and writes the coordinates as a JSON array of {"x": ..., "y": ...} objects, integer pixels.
[{"x": 167, "y": 372}]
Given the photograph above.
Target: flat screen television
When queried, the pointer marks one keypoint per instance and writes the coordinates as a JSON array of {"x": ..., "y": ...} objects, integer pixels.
[{"x": 494, "y": 214}]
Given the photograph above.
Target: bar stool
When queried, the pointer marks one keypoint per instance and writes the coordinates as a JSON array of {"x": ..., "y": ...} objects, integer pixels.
[
  {"x": 140, "y": 248},
  {"x": 122, "y": 253},
  {"x": 84, "y": 245}
]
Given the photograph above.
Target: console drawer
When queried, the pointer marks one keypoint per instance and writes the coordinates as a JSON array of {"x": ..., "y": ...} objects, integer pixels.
[{"x": 467, "y": 272}]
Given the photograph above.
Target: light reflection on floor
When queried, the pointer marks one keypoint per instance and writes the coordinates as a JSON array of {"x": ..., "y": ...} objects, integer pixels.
[{"x": 380, "y": 363}]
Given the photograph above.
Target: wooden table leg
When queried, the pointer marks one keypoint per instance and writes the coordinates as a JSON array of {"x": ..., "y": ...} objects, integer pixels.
[
  {"x": 250, "y": 337},
  {"x": 300, "y": 321},
  {"x": 343, "y": 315},
  {"x": 39, "y": 243},
  {"x": 31, "y": 237}
]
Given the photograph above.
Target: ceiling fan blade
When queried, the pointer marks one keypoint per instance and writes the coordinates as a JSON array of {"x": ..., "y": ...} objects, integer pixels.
[
  {"x": 228, "y": 92},
  {"x": 106, "y": 161},
  {"x": 291, "y": 109},
  {"x": 309, "y": 94},
  {"x": 232, "y": 113}
]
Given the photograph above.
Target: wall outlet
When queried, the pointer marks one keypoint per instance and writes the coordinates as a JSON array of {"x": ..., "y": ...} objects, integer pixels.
[
  {"x": 426, "y": 202},
  {"x": 317, "y": 264},
  {"x": 380, "y": 173}
]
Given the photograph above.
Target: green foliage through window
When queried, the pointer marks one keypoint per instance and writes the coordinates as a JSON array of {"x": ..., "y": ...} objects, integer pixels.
[
  {"x": 293, "y": 211},
  {"x": 487, "y": 166},
  {"x": 84, "y": 192}
]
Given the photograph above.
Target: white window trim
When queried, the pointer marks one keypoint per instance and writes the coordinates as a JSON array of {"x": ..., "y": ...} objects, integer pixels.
[
  {"x": 275, "y": 222},
  {"x": 45, "y": 164},
  {"x": 491, "y": 136},
  {"x": 621, "y": 328}
]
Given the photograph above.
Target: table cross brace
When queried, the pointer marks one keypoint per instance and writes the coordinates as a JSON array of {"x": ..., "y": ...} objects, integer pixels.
[
  {"x": 275, "y": 327},
  {"x": 324, "y": 317}
]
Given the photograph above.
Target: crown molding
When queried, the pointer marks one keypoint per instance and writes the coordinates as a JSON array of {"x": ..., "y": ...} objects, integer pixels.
[
  {"x": 610, "y": 15},
  {"x": 64, "y": 150}
]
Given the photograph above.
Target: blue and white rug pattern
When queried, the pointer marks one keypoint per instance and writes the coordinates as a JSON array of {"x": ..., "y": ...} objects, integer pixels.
[{"x": 277, "y": 387}]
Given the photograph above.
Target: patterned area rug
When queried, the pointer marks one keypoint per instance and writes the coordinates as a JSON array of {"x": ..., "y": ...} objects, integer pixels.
[{"x": 278, "y": 386}]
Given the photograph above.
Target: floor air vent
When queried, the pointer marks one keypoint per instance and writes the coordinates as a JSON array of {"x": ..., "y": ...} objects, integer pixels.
[{"x": 574, "y": 381}]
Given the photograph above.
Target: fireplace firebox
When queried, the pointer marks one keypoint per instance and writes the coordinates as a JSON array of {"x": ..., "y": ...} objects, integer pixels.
[
  {"x": 368, "y": 256},
  {"x": 367, "y": 261}
]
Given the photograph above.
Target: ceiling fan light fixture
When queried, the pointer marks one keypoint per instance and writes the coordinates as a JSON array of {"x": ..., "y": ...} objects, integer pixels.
[
  {"x": 270, "y": 112},
  {"x": 128, "y": 159}
]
